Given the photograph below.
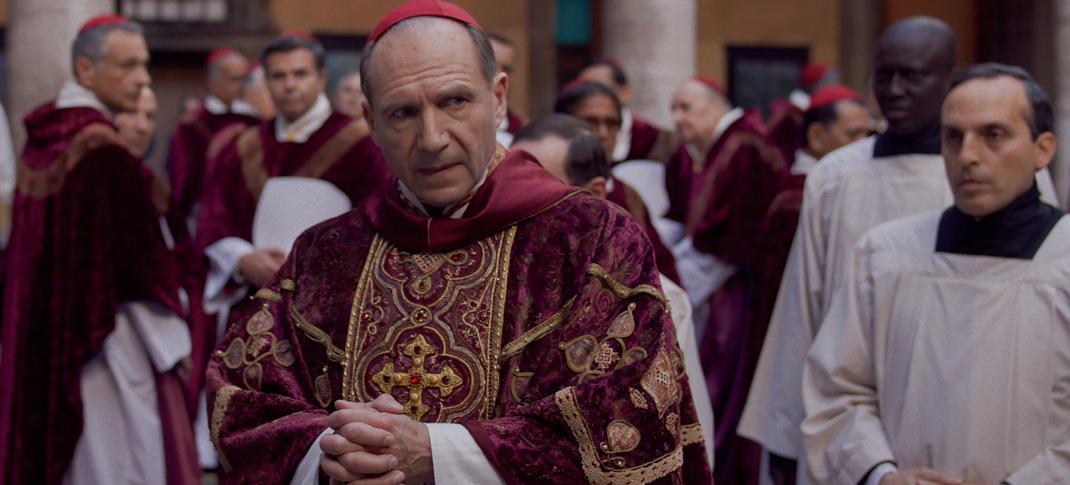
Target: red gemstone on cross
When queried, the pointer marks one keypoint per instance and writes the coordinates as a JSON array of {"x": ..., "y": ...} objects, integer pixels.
[
  {"x": 456, "y": 257},
  {"x": 415, "y": 378}
]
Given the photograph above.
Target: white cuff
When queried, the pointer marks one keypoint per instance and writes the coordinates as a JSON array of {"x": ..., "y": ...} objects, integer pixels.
[
  {"x": 879, "y": 472},
  {"x": 223, "y": 256},
  {"x": 164, "y": 334},
  {"x": 457, "y": 458},
  {"x": 308, "y": 471}
]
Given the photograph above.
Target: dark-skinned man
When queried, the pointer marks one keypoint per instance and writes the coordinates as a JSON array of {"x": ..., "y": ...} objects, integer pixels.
[
  {"x": 448, "y": 291},
  {"x": 942, "y": 360}
]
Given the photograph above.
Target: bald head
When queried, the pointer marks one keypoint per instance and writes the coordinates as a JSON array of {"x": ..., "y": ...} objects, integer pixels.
[
  {"x": 428, "y": 27},
  {"x": 911, "y": 71}
]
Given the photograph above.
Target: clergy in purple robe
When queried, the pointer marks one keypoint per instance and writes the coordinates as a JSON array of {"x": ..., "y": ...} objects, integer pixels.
[
  {"x": 638, "y": 138},
  {"x": 720, "y": 184},
  {"x": 187, "y": 156},
  {"x": 92, "y": 338},
  {"x": 476, "y": 322}
]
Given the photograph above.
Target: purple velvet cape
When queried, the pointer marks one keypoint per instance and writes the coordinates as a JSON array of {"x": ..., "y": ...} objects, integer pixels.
[
  {"x": 722, "y": 203},
  {"x": 785, "y": 127},
  {"x": 540, "y": 310},
  {"x": 85, "y": 238}
]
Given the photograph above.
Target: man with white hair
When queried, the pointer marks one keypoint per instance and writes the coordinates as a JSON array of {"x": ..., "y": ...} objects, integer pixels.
[{"x": 478, "y": 321}]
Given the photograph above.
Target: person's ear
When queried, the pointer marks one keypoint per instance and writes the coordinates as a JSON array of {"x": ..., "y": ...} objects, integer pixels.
[
  {"x": 84, "y": 68},
  {"x": 322, "y": 81},
  {"x": 368, "y": 118},
  {"x": 1045, "y": 146},
  {"x": 815, "y": 137},
  {"x": 597, "y": 186},
  {"x": 500, "y": 90}
]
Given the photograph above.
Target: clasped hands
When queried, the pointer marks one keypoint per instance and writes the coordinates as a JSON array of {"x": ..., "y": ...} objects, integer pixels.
[{"x": 375, "y": 443}]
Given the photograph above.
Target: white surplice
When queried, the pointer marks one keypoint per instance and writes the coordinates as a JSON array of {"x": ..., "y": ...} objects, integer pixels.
[
  {"x": 955, "y": 362},
  {"x": 848, "y": 193}
]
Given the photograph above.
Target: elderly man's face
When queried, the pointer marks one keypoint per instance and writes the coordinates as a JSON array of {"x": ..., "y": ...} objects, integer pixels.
[
  {"x": 989, "y": 153},
  {"x": 431, "y": 109},
  {"x": 226, "y": 83},
  {"x": 695, "y": 113},
  {"x": 137, "y": 127},
  {"x": 294, "y": 81},
  {"x": 121, "y": 73},
  {"x": 349, "y": 97}
]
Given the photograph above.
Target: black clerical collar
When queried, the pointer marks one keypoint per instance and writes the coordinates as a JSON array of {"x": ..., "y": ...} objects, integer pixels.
[
  {"x": 1015, "y": 231},
  {"x": 890, "y": 145}
]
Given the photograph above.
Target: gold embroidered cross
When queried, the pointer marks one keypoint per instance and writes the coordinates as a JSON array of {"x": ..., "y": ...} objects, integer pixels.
[{"x": 417, "y": 379}]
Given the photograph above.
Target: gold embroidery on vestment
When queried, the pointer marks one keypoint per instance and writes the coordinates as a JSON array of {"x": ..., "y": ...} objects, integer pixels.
[
  {"x": 589, "y": 357},
  {"x": 636, "y": 396},
  {"x": 660, "y": 381},
  {"x": 621, "y": 437},
  {"x": 417, "y": 378},
  {"x": 593, "y": 467},
  {"x": 519, "y": 383},
  {"x": 268, "y": 294},
  {"x": 259, "y": 343},
  {"x": 219, "y": 412},
  {"x": 317, "y": 335},
  {"x": 322, "y": 387},
  {"x": 691, "y": 434},
  {"x": 537, "y": 332},
  {"x": 451, "y": 306},
  {"x": 622, "y": 291}
]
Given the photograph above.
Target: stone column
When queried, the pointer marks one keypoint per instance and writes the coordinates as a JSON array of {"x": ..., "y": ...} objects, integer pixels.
[
  {"x": 39, "y": 39},
  {"x": 655, "y": 40},
  {"x": 860, "y": 21},
  {"x": 1060, "y": 169}
]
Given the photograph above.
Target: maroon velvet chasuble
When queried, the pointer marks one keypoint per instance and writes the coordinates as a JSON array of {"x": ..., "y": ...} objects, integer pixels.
[
  {"x": 626, "y": 197},
  {"x": 785, "y": 127},
  {"x": 85, "y": 238},
  {"x": 722, "y": 203},
  {"x": 188, "y": 155},
  {"x": 535, "y": 321}
]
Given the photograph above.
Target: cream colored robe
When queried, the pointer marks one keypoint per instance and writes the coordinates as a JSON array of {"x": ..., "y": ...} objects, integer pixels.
[
  {"x": 848, "y": 193},
  {"x": 959, "y": 363}
]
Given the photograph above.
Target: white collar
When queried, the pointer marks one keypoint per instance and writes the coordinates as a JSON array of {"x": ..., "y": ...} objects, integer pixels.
[
  {"x": 800, "y": 99},
  {"x": 74, "y": 95},
  {"x": 723, "y": 124},
  {"x": 301, "y": 129},
  {"x": 215, "y": 105},
  {"x": 804, "y": 163},
  {"x": 624, "y": 136}
]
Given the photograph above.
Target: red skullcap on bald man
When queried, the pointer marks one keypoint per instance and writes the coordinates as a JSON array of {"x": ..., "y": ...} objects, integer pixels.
[
  {"x": 422, "y": 8},
  {"x": 832, "y": 94},
  {"x": 219, "y": 54},
  {"x": 102, "y": 20},
  {"x": 714, "y": 85}
]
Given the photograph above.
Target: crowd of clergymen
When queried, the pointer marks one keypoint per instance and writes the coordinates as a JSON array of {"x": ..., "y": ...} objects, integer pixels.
[{"x": 863, "y": 289}]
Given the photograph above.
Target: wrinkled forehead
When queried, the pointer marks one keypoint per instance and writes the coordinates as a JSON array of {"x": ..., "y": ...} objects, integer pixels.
[{"x": 420, "y": 45}]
